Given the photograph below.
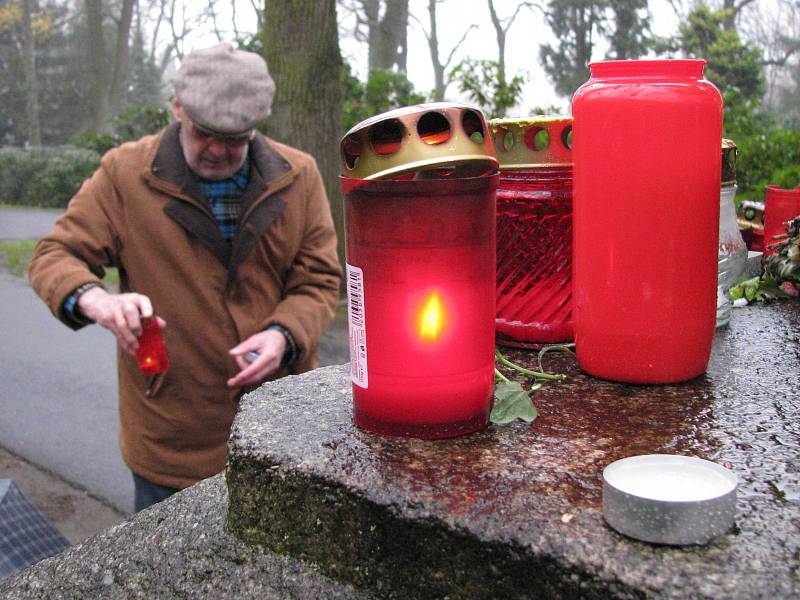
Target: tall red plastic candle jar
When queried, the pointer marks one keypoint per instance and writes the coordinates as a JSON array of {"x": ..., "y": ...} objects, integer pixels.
[
  {"x": 420, "y": 274},
  {"x": 646, "y": 147},
  {"x": 534, "y": 231}
]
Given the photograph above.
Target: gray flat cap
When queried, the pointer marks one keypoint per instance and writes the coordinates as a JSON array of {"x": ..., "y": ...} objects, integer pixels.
[{"x": 224, "y": 90}]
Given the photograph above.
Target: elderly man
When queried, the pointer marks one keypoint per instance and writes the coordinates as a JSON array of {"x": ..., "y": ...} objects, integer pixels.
[{"x": 222, "y": 233}]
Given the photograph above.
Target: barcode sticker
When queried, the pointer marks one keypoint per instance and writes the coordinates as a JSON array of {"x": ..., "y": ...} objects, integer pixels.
[{"x": 357, "y": 323}]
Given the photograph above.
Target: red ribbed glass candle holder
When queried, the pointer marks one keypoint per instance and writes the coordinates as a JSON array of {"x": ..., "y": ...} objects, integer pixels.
[{"x": 534, "y": 257}]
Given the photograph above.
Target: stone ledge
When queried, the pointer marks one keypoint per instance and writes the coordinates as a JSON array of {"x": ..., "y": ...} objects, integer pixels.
[
  {"x": 516, "y": 511},
  {"x": 176, "y": 549}
]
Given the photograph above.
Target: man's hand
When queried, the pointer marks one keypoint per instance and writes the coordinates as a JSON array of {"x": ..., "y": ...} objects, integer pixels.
[
  {"x": 270, "y": 346},
  {"x": 121, "y": 314}
]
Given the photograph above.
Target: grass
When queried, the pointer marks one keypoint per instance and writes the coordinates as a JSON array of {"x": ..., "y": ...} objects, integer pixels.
[
  {"x": 16, "y": 254},
  {"x": 4, "y": 205}
]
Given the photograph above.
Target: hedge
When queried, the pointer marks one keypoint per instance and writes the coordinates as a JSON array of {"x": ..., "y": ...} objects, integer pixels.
[
  {"x": 768, "y": 157},
  {"x": 46, "y": 177}
]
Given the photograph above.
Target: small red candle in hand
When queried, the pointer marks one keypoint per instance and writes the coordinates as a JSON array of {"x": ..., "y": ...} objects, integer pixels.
[{"x": 152, "y": 353}]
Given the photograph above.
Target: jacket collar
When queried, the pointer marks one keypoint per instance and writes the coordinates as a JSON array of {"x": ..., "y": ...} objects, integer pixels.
[
  {"x": 170, "y": 166},
  {"x": 260, "y": 204}
]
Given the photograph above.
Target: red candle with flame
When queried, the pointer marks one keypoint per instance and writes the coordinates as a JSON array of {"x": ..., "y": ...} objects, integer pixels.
[
  {"x": 420, "y": 275},
  {"x": 151, "y": 355}
]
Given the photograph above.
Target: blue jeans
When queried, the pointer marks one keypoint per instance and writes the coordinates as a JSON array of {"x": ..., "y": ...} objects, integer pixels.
[{"x": 146, "y": 493}]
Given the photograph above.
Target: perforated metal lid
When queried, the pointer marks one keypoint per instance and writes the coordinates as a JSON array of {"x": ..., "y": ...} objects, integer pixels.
[
  {"x": 423, "y": 137},
  {"x": 730, "y": 154},
  {"x": 536, "y": 141}
]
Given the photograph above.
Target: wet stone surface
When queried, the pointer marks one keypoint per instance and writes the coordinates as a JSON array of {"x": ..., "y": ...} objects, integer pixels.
[
  {"x": 176, "y": 549},
  {"x": 516, "y": 510}
]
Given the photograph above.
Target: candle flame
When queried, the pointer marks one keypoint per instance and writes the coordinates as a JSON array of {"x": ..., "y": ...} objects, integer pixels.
[{"x": 431, "y": 318}]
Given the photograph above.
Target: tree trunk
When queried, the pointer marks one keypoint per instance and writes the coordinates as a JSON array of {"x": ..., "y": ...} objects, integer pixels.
[
  {"x": 387, "y": 35},
  {"x": 31, "y": 83},
  {"x": 120, "y": 76},
  {"x": 500, "y": 33},
  {"x": 301, "y": 46},
  {"x": 433, "y": 45},
  {"x": 440, "y": 76},
  {"x": 99, "y": 100},
  {"x": 730, "y": 8}
]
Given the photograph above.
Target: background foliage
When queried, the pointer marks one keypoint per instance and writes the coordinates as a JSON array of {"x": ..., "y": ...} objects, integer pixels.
[
  {"x": 44, "y": 176},
  {"x": 769, "y": 148},
  {"x": 762, "y": 114}
]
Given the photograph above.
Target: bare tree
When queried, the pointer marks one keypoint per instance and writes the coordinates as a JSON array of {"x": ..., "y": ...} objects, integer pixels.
[
  {"x": 501, "y": 27},
  {"x": 440, "y": 76},
  {"x": 775, "y": 27},
  {"x": 211, "y": 16},
  {"x": 31, "y": 82},
  {"x": 119, "y": 75},
  {"x": 388, "y": 36},
  {"x": 172, "y": 23},
  {"x": 383, "y": 25},
  {"x": 107, "y": 88},
  {"x": 732, "y": 10},
  {"x": 172, "y": 26},
  {"x": 258, "y": 9},
  {"x": 96, "y": 60}
]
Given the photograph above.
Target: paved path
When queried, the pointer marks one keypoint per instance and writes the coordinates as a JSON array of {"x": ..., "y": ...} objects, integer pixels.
[
  {"x": 25, "y": 223},
  {"x": 59, "y": 400},
  {"x": 58, "y": 388}
]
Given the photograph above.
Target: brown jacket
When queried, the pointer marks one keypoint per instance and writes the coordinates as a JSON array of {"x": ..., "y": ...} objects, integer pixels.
[{"x": 142, "y": 212}]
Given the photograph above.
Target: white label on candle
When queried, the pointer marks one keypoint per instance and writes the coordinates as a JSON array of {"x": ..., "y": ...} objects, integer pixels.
[{"x": 358, "y": 329}]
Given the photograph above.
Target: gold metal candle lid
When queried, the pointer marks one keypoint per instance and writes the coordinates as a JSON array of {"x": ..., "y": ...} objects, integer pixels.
[
  {"x": 730, "y": 153},
  {"x": 537, "y": 141},
  {"x": 422, "y": 137}
]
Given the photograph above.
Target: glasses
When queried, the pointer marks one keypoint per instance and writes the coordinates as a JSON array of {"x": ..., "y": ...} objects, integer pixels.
[{"x": 204, "y": 136}]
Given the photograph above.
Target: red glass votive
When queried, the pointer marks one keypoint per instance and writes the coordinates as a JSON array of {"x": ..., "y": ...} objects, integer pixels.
[
  {"x": 534, "y": 256},
  {"x": 534, "y": 230},
  {"x": 780, "y": 205},
  {"x": 421, "y": 281},
  {"x": 151, "y": 355}
]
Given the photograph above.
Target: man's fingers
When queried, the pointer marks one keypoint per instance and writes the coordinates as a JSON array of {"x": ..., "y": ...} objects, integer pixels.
[
  {"x": 121, "y": 314},
  {"x": 145, "y": 306},
  {"x": 122, "y": 328},
  {"x": 133, "y": 318},
  {"x": 254, "y": 373},
  {"x": 258, "y": 356},
  {"x": 241, "y": 362}
]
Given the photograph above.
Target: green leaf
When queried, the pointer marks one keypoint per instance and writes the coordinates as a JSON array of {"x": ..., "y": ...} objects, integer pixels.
[
  {"x": 511, "y": 403},
  {"x": 751, "y": 289},
  {"x": 744, "y": 289},
  {"x": 737, "y": 291}
]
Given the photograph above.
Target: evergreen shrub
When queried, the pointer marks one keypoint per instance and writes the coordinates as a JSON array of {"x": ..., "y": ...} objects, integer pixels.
[
  {"x": 47, "y": 176},
  {"x": 767, "y": 157}
]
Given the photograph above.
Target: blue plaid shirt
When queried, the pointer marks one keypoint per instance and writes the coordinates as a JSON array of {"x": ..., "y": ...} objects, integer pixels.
[{"x": 223, "y": 198}]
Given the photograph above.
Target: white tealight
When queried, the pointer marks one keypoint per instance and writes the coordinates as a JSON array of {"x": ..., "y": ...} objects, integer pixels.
[
  {"x": 669, "y": 499},
  {"x": 670, "y": 478}
]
